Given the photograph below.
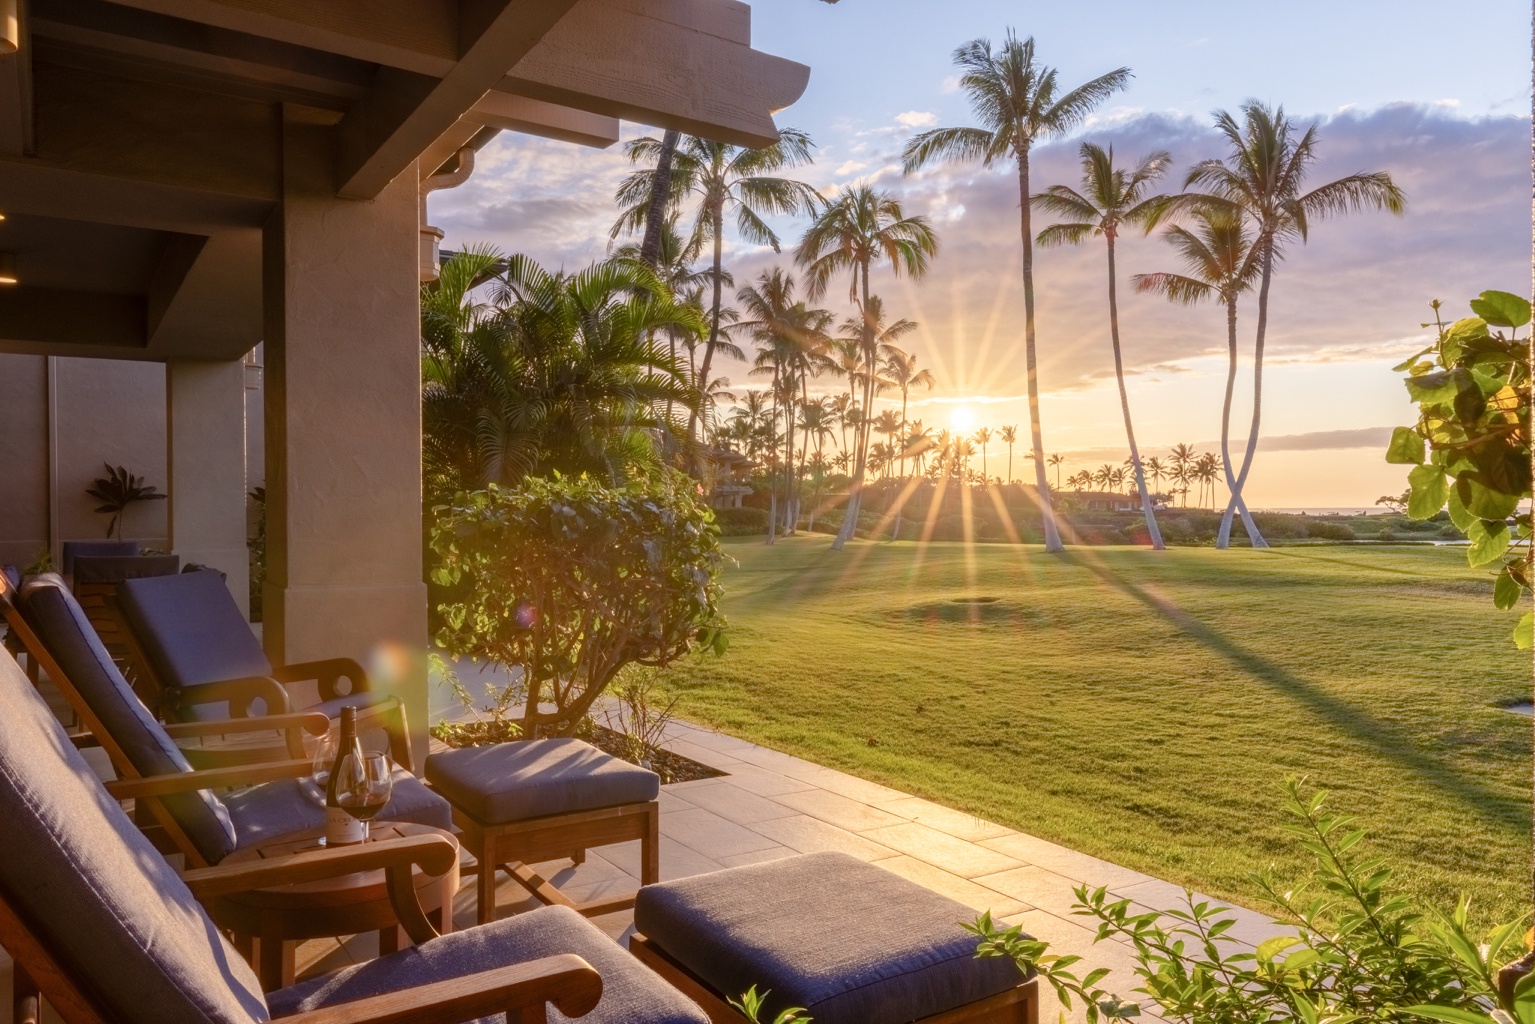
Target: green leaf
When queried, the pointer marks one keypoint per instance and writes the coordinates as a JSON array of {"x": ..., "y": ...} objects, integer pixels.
[
  {"x": 1450, "y": 1014},
  {"x": 1406, "y": 447},
  {"x": 1482, "y": 499},
  {"x": 1458, "y": 512},
  {"x": 1524, "y": 632},
  {"x": 1488, "y": 541},
  {"x": 1506, "y": 591},
  {"x": 1502, "y": 309},
  {"x": 1429, "y": 491}
]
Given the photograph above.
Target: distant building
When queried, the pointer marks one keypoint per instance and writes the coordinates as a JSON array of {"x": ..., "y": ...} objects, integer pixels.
[
  {"x": 1107, "y": 501},
  {"x": 727, "y": 476}
]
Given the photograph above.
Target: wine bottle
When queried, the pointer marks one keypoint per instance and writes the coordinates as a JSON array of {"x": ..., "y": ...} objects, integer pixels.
[{"x": 341, "y": 828}]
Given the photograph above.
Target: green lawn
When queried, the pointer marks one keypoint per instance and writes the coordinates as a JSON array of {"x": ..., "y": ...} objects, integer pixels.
[{"x": 1140, "y": 706}]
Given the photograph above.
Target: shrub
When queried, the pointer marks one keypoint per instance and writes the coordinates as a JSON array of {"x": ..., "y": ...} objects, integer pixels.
[
  {"x": 741, "y": 522},
  {"x": 568, "y": 581},
  {"x": 1362, "y": 951},
  {"x": 1324, "y": 530}
]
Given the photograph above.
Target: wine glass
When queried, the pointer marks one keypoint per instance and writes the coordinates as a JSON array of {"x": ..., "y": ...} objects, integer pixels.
[
  {"x": 324, "y": 755},
  {"x": 363, "y": 788}
]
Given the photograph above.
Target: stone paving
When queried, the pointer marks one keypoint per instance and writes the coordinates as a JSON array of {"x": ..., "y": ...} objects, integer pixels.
[{"x": 772, "y": 805}]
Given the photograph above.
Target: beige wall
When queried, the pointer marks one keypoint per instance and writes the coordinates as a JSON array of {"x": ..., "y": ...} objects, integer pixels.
[{"x": 108, "y": 411}]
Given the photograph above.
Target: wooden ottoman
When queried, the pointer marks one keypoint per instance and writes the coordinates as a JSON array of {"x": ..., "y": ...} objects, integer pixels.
[
  {"x": 528, "y": 801},
  {"x": 847, "y": 941}
]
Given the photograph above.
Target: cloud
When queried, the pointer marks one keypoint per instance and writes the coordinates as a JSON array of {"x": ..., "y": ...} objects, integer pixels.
[
  {"x": 916, "y": 119},
  {"x": 1324, "y": 440}
]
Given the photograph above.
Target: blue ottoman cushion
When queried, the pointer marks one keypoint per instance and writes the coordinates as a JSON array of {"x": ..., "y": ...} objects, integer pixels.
[
  {"x": 848, "y": 941},
  {"x": 533, "y": 778}
]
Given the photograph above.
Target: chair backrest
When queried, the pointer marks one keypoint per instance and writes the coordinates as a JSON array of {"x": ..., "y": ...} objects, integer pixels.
[
  {"x": 91, "y": 682},
  {"x": 114, "y": 569},
  {"x": 91, "y": 913},
  {"x": 95, "y": 587},
  {"x": 75, "y": 548},
  {"x": 189, "y": 630}
]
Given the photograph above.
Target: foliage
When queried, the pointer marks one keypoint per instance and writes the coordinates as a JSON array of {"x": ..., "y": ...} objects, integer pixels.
[
  {"x": 741, "y": 522},
  {"x": 551, "y": 372},
  {"x": 1470, "y": 448},
  {"x": 490, "y": 711},
  {"x": 639, "y": 715},
  {"x": 41, "y": 563},
  {"x": 751, "y": 1003},
  {"x": 117, "y": 491},
  {"x": 256, "y": 544},
  {"x": 1362, "y": 949},
  {"x": 1324, "y": 530},
  {"x": 567, "y": 580}
]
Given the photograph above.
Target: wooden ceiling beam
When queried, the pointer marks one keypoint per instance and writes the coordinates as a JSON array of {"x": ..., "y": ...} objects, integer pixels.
[{"x": 405, "y": 111}]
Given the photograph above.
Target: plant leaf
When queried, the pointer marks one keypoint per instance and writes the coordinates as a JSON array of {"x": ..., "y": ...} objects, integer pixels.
[
  {"x": 1488, "y": 541},
  {"x": 1502, "y": 309},
  {"x": 1506, "y": 591},
  {"x": 1524, "y": 632},
  {"x": 1406, "y": 447},
  {"x": 1429, "y": 491}
]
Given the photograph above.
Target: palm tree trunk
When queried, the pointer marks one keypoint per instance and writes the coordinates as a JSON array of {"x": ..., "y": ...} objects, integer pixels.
[
  {"x": 1031, "y": 360},
  {"x": 860, "y": 437},
  {"x": 718, "y": 224},
  {"x": 1010, "y": 465},
  {"x": 773, "y": 489},
  {"x": 660, "y": 192},
  {"x": 1124, "y": 406},
  {"x": 1223, "y": 538}
]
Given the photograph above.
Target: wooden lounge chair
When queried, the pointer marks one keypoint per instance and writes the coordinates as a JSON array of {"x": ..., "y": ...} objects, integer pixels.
[
  {"x": 197, "y": 821},
  {"x": 104, "y": 931},
  {"x": 190, "y": 642},
  {"x": 94, "y": 584}
]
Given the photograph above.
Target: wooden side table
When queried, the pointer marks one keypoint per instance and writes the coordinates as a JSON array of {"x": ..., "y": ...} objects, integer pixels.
[{"x": 269, "y": 923}]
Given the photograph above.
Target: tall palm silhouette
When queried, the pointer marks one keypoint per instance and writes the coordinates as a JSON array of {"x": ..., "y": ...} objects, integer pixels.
[
  {"x": 860, "y": 228},
  {"x": 1057, "y": 460},
  {"x": 725, "y": 180},
  {"x": 1223, "y": 265},
  {"x": 902, "y": 373},
  {"x": 1018, "y": 102},
  {"x": 983, "y": 438},
  {"x": 1262, "y": 179},
  {"x": 1009, "y": 437},
  {"x": 1111, "y": 197}
]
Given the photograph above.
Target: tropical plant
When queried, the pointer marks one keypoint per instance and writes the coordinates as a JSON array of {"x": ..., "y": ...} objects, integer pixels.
[
  {"x": 982, "y": 438},
  {"x": 1223, "y": 265},
  {"x": 1018, "y": 102},
  {"x": 553, "y": 372},
  {"x": 568, "y": 580},
  {"x": 860, "y": 228},
  {"x": 1470, "y": 448},
  {"x": 1362, "y": 950},
  {"x": 1261, "y": 180},
  {"x": 902, "y": 373},
  {"x": 1111, "y": 198},
  {"x": 724, "y": 179},
  {"x": 1182, "y": 461},
  {"x": 117, "y": 492},
  {"x": 1056, "y": 461}
]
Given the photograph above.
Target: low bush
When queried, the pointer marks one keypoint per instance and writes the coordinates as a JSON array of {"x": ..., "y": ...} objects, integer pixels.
[
  {"x": 1321, "y": 529},
  {"x": 741, "y": 522}
]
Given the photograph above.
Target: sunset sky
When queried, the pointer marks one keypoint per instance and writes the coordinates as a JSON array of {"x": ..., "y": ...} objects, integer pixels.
[{"x": 1436, "y": 94}]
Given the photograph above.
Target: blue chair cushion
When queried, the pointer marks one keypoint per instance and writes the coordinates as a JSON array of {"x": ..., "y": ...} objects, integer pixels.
[
  {"x": 849, "y": 941},
  {"x": 631, "y": 994},
  {"x": 273, "y": 810},
  {"x": 105, "y": 905},
  {"x": 191, "y": 630},
  {"x": 60, "y": 623},
  {"x": 12, "y": 577},
  {"x": 75, "y": 548},
  {"x": 116, "y": 568},
  {"x": 532, "y": 778}
]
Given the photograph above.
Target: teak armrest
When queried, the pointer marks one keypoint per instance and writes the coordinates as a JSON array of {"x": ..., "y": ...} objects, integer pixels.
[
  {"x": 312, "y": 722},
  {"x": 239, "y": 693},
  {"x": 327, "y": 672},
  {"x": 568, "y": 983},
  {"x": 210, "y": 778},
  {"x": 433, "y": 854}
]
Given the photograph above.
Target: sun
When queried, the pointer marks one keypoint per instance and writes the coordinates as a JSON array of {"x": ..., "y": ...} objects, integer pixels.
[{"x": 962, "y": 419}]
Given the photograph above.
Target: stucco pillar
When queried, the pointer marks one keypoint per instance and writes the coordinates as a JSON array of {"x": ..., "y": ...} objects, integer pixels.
[
  {"x": 343, "y": 426},
  {"x": 205, "y": 466}
]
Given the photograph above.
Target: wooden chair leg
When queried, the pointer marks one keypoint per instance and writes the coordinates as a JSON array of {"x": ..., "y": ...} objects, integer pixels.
[
  {"x": 26, "y": 997},
  {"x": 650, "y": 847},
  {"x": 486, "y": 883},
  {"x": 578, "y": 858}
]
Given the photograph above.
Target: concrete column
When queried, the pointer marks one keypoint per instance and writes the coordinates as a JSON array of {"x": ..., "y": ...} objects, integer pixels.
[
  {"x": 343, "y": 426},
  {"x": 205, "y": 462}
]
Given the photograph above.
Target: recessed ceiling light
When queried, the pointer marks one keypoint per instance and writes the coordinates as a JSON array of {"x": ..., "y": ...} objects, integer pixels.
[{"x": 7, "y": 268}]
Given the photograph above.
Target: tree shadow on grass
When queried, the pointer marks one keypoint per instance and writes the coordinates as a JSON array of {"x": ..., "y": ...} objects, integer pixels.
[{"x": 1359, "y": 725}]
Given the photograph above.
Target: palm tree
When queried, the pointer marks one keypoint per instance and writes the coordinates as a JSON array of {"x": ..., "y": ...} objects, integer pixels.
[
  {"x": 901, "y": 371},
  {"x": 789, "y": 335},
  {"x": 1018, "y": 102},
  {"x": 983, "y": 438},
  {"x": 918, "y": 442},
  {"x": 1261, "y": 180},
  {"x": 1222, "y": 264},
  {"x": 1009, "y": 436},
  {"x": 859, "y": 228},
  {"x": 1182, "y": 459},
  {"x": 724, "y": 179},
  {"x": 1117, "y": 477},
  {"x": 1111, "y": 197},
  {"x": 1057, "y": 460},
  {"x": 1156, "y": 471}
]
